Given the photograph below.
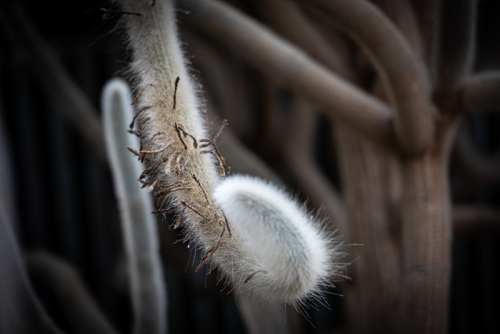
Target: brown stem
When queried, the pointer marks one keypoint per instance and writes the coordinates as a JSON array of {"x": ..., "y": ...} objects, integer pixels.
[
  {"x": 481, "y": 92},
  {"x": 399, "y": 68},
  {"x": 454, "y": 44},
  {"x": 470, "y": 220},
  {"x": 275, "y": 57},
  {"x": 69, "y": 100},
  {"x": 82, "y": 312},
  {"x": 426, "y": 243},
  {"x": 372, "y": 185},
  {"x": 374, "y": 296}
]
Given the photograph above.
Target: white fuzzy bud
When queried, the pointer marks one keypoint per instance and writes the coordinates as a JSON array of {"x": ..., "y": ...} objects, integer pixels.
[{"x": 293, "y": 255}]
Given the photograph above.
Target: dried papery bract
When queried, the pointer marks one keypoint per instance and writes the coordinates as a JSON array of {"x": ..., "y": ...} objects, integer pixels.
[
  {"x": 294, "y": 256},
  {"x": 147, "y": 286},
  {"x": 186, "y": 166}
]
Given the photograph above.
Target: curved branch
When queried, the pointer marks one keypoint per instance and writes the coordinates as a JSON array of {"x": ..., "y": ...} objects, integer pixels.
[
  {"x": 481, "y": 92},
  {"x": 290, "y": 66},
  {"x": 69, "y": 100},
  {"x": 401, "y": 71},
  {"x": 82, "y": 312},
  {"x": 454, "y": 43}
]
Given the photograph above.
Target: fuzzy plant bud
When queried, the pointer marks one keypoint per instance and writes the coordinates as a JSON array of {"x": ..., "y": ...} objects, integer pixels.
[
  {"x": 186, "y": 172},
  {"x": 294, "y": 256}
]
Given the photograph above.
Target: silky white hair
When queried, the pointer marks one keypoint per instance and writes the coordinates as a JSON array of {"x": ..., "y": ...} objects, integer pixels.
[{"x": 295, "y": 257}]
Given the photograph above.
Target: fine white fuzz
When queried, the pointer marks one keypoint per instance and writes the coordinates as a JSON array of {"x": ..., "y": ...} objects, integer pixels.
[
  {"x": 147, "y": 286},
  {"x": 293, "y": 255},
  {"x": 184, "y": 166}
]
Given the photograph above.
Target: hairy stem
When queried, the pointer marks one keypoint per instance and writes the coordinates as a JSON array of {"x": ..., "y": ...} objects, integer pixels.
[{"x": 184, "y": 167}]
